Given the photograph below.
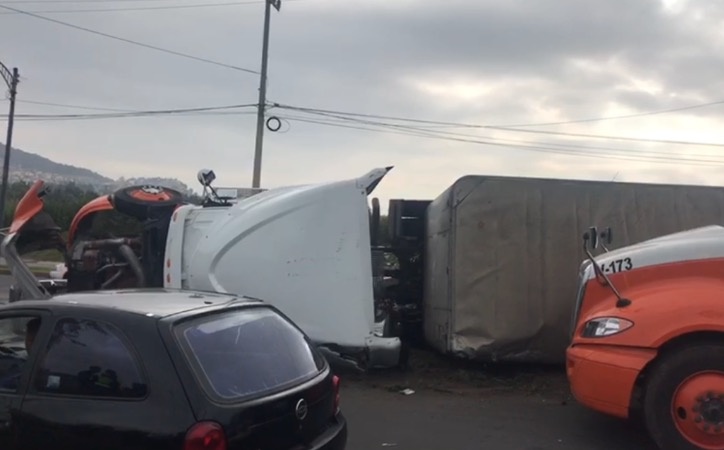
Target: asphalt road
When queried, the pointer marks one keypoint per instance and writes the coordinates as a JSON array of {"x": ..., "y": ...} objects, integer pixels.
[
  {"x": 432, "y": 420},
  {"x": 463, "y": 416}
]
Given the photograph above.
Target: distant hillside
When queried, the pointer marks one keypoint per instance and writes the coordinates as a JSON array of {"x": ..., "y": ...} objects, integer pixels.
[{"x": 26, "y": 166}]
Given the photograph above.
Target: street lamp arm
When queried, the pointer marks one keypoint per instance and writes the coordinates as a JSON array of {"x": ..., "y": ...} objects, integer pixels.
[{"x": 7, "y": 75}]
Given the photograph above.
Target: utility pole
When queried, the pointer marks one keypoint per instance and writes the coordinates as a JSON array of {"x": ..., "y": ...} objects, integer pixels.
[
  {"x": 256, "y": 181},
  {"x": 11, "y": 79}
]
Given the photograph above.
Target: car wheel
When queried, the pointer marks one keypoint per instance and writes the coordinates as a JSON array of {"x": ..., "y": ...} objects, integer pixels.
[{"x": 684, "y": 399}]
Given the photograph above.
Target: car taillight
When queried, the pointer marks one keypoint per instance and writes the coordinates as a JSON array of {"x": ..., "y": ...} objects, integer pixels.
[
  {"x": 205, "y": 436},
  {"x": 335, "y": 384}
]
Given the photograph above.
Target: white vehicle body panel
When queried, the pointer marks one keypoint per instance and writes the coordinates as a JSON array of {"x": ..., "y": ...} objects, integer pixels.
[
  {"x": 304, "y": 249},
  {"x": 690, "y": 245}
]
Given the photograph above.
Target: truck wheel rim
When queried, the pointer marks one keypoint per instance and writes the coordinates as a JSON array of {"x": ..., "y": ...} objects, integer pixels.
[{"x": 698, "y": 409}]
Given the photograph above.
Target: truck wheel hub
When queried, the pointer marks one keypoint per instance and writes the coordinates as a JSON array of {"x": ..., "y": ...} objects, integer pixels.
[
  {"x": 698, "y": 409},
  {"x": 711, "y": 412}
]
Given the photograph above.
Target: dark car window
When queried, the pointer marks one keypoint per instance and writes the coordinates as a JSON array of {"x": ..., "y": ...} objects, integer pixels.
[
  {"x": 16, "y": 334},
  {"x": 248, "y": 352},
  {"x": 89, "y": 358}
]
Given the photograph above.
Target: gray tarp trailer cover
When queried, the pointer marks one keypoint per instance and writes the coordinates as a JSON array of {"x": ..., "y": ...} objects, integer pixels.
[{"x": 502, "y": 256}]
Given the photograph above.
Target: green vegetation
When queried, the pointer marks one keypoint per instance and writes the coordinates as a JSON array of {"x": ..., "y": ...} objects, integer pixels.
[
  {"x": 44, "y": 255},
  {"x": 62, "y": 201}
]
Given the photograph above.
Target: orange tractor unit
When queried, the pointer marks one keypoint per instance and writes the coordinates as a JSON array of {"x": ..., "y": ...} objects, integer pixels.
[{"x": 648, "y": 335}]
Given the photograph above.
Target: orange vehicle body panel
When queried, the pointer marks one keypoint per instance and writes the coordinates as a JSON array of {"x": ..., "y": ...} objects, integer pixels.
[
  {"x": 28, "y": 207},
  {"x": 102, "y": 203},
  {"x": 667, "y": 301},
  {"x": 602, "y": 377}
]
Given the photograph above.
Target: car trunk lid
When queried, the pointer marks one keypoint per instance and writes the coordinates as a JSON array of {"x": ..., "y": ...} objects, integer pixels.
[{"x": 257, "y": 375}]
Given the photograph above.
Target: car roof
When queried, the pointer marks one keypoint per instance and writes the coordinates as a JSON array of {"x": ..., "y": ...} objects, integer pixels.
[{"x": 156, "y": 303}]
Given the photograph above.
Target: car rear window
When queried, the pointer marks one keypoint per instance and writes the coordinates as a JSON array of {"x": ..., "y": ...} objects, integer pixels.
[{"x": 248, "y": 352}]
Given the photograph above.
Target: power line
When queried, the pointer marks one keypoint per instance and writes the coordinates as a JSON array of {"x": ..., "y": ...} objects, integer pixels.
[
  {"x": 462, "y": 125},
  {"x": 342, "y": 114},
  {"x": 420, "y": 129},
  {"x": 535, "y": 148},
  {"x": 140, "y": 113},
  {"x": 619, "y": 138},
  {"x": 129, "y": 41},
  {"x": 218, "y": 110},
  {"x": 140, "y": 8},
  {"x": 343, "y": 122},
  {"x": 607, "y": 150},
  {"x": 129, "y": 116},
  {"x": 84, "y": 1},
  {"x": 626, "y": 116},
  {"x": 533, "y": 144},
  {"x": 63, "y": 105}
]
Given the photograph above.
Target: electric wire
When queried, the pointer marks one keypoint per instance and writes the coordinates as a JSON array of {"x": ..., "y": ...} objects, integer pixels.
[
  {"x": 64, "y": 105},
  {"x": 139, "y": 8},
  {"x": 342, "y": 114},
  {"x": 140, "y": 113},
  {"x": 625, "y": 116},
  {"x": 541, "y": 149},
  {"x": 420, "y": 129},
  {"x": 131, "y": 116},
  {"x": 463, "y": 125},
  {"x": 129, "y": 41},
  {"x": 344, "y": 121},
  {"x": 89, "y": 1},
  {"x": 619, "y": 138},
  {"x": 409, "y": 130},
  {"x": 535, "y": 148}
]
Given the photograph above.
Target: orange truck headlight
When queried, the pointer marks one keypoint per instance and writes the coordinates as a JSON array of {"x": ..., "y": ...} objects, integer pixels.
[{"x": 605, "y": 326}]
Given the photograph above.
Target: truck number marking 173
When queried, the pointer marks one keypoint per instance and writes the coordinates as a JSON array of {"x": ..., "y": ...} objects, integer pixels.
[{"x": 618, "y": 265}]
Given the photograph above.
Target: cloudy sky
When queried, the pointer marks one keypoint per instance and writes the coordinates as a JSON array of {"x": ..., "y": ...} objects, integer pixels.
[{"x": 484, "y": 62}]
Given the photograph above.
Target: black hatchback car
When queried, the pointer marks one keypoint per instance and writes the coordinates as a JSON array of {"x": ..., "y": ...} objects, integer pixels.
[{"x": 162, "y": 370}]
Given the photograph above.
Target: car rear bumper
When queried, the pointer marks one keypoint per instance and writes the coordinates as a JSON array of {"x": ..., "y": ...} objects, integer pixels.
[
  {"x": 602, "y": 377},
  {"x": 334, "y": 438}
]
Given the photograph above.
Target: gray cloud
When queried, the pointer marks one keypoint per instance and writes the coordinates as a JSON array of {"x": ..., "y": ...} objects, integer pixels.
[{"x": 512, "y": 62}]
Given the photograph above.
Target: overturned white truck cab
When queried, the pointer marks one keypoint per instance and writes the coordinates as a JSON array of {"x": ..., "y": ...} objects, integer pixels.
[{"x": 305, "y": 249}]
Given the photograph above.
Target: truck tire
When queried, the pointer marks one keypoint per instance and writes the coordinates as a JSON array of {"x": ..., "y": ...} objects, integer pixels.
[
  {"x": 136, "y": 201},
  {"x": 684, "y": 399}
]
